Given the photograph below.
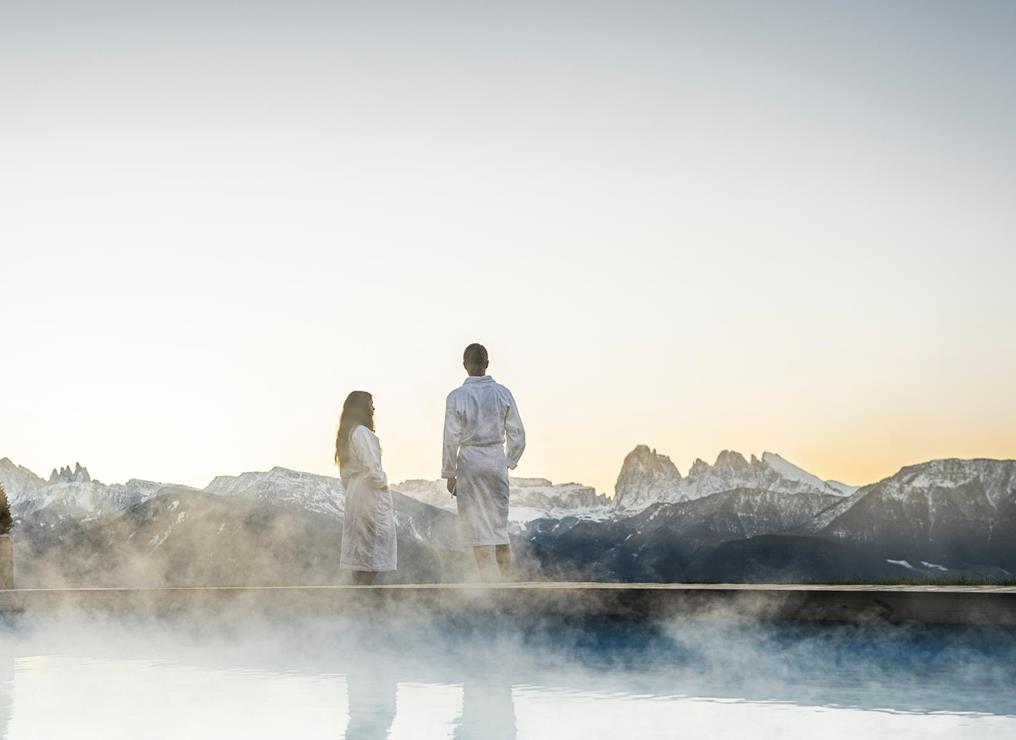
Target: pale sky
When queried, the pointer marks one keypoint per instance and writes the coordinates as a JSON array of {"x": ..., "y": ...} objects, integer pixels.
[{"x": 757, "y": 226}]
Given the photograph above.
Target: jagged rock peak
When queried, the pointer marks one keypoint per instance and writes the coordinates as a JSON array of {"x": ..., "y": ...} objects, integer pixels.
[
  {"x": 648, "y": 477},
  {"x": 642, "y": 458},
  {"x": 645, "y": 476},
  {"x": 731, "y": 460},
  {"x": 698, "y": 468},
  {"x": 65, "y": 475},
  {"x": 727, "y": 462}
]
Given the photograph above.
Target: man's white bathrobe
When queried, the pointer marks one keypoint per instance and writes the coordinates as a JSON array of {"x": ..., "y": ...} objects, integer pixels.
[
  {"x": 483, "y": 440},
  {"x": 368, "y": 526}
]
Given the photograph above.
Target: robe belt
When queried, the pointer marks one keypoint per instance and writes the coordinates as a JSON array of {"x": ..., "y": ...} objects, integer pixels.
[{"x": 480, "y": 444}]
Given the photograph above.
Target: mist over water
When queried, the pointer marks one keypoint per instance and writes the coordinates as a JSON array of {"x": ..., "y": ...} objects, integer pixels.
[{"x": 231, "y": 675}]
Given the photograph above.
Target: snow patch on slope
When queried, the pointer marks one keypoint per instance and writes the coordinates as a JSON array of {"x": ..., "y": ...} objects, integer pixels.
[{"x": 790, "y": 471}]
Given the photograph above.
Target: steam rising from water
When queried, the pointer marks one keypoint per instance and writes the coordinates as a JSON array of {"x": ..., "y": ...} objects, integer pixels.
[{"x": 231, "y": 674}]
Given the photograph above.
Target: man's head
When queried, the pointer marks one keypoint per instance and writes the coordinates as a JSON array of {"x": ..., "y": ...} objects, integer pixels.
[{"x": 474, "y": 359}]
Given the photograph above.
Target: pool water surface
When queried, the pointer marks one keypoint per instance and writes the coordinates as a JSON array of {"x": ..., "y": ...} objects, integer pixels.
[{"x": 238, "y": 676}]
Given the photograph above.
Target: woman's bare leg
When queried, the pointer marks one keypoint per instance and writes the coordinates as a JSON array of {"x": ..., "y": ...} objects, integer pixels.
[
  {"x": 503, "y": 553},
  {"x": 363, "y": 577}
]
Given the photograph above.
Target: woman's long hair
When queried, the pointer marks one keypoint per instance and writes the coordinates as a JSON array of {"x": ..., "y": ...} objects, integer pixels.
[{"x": 355, "y": 411}]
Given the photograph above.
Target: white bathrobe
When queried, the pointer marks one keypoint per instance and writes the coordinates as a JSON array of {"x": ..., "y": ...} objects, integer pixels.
[
  {"x": 368, "y": 529},
  {"x": 483, "y": 440}
]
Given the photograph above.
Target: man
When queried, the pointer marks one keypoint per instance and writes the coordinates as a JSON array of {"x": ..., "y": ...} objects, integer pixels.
[{"x": 483, "y": 440}]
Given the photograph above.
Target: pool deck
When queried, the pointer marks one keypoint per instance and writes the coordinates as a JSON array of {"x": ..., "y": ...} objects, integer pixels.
[{"x": 994, "y": 605}]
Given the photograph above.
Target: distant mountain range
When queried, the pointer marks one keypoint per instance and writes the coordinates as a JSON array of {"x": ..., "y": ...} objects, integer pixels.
[
  {"x": 272, "y": 528},
  {"x": 757, "y": 519},
  {"x": 768, "y": 520}
]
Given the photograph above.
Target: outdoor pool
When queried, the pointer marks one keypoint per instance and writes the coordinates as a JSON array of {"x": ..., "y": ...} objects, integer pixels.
[{"x": 234, "y": 675}]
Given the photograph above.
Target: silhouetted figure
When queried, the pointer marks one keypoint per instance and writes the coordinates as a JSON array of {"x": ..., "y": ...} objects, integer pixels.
[
  {"x": 372, "y": 695},
  {"x": 488, "y": 710},
  {"x": 481, "y": 419},
  {"x": 368, "y": 527}
]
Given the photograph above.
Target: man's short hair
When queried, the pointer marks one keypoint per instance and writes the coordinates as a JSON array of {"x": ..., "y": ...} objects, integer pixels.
[{"x": 475, "y": 355}]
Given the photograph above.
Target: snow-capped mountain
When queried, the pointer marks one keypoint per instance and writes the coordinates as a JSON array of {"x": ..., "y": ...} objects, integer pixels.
[
  {"x": 319, "y": 493},
  {"x": 788, "y": 471},
  {"x": 72, "y": 494},
  {"x": 19, "y": 481},
  {"x": 71, "y": 497},
  {"x": 430, "y": 492},
  {"x": 760, "y": 518},
  {"x": 944, "y": 518},
  {"x": 537, "y": 498},
  {"x": 187, "y": 537},
  {"x": 87, "y": 500},
  {"x": 952, "y": 511},
  {"x": 657, "y": 542},
  {"x": 648, "y": 477},
  {"x": 68, "y": 494},
  {"x": 324, "y": 495},
  {"x": 531, "y": 498}
]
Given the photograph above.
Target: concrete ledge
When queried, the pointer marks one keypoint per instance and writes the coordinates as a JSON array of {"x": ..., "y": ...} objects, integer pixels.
[{"x": 895, "y": 605}]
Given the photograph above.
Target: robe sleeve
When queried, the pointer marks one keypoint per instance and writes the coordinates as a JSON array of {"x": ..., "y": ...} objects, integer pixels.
[
  {"x": 452, "y": 437},
  {"x": 514, "y": 432},
  {"x": 368, "y": 449}
]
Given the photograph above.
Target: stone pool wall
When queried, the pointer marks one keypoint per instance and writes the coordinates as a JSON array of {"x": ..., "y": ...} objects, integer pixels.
[{"x": 895, "y": 605}]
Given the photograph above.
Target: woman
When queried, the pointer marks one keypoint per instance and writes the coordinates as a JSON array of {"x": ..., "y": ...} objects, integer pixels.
[{"x": 368, "y": 530}]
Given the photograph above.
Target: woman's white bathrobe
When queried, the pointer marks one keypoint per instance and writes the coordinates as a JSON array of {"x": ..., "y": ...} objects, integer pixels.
[
  {"x": 483, "y": 440},
  {"x": 368, "y": 528}
]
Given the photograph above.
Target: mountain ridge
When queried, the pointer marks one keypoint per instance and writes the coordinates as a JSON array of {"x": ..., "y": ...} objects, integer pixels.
[{"x": 941, "y": 518}]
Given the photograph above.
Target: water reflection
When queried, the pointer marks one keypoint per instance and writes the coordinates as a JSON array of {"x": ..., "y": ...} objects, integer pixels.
[
  {"x": 488, "y": 710},
  {"x": 322, "y": 680},
  {"x": 371, "y": 702},
  {"x": 484, "y": 710}
]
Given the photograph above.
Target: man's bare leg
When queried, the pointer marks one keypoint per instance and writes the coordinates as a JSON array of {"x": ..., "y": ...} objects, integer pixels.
[
  {"x": 484, "y": 555},
  {"x": 363, "y": 577},
  {"x": 503, "y": 553}
]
